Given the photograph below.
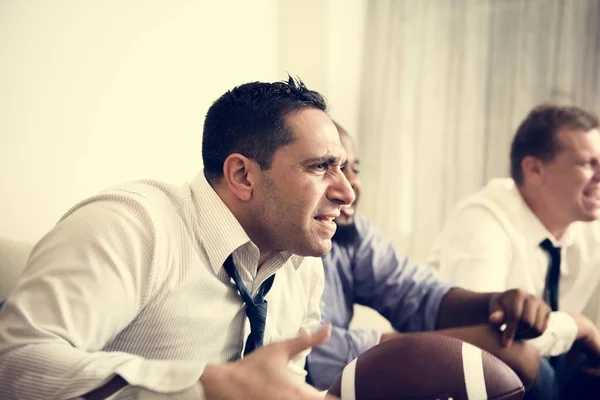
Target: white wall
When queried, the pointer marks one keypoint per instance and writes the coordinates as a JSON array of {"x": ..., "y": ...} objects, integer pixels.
[
  {"x": 346, "y": 41},
  {"x": 322, "y": 42},
  {"x": 96, "y": 93}
]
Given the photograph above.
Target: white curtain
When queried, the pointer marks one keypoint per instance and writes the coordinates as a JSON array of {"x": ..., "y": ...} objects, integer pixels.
[{"x": 445, "y": 84}]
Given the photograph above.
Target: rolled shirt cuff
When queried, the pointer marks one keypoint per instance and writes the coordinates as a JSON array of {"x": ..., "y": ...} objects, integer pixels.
[{"x": 558, "y": 337}]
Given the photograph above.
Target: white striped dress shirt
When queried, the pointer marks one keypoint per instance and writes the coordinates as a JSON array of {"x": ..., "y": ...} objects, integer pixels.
[
  {"x": 130, "y": 282},
  {"x": 491, "y": 243}
]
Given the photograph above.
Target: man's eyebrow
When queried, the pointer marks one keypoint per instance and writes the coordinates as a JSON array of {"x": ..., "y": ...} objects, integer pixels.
[{"x": 329, "y": 159}]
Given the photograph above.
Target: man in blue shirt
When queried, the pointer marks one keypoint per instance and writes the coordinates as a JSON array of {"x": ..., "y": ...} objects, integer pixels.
[{"x": 364, "y": 268}]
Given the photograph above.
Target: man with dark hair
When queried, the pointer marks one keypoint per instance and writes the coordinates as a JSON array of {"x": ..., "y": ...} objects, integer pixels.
[
  {"x": 150, "y": 290},
  {"x": 364, "y": 268},
  {"x": 537, "y": 231},
  {"x": 241, "y": 121}
]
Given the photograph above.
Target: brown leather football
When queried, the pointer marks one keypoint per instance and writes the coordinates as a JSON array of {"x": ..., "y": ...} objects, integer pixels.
[{"x": 426, "y": 366}]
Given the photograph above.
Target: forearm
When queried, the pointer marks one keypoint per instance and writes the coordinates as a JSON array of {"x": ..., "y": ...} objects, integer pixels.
[
  {"x": 60, "y": 371},
  {"x": 462, "y": 307}
]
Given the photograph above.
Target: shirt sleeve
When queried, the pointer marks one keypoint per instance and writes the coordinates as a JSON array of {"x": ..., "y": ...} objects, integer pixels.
[
  {"x": 474, "y": 250},
  {"x": 85, "y": 282},
  {"x": 406, "y": 294},
  {"x": 559, "y": 336}
]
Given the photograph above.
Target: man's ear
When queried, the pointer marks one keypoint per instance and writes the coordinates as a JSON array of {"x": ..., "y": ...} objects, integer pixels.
[
  {"x": 238, "y": 175},
  {"x": 533, "y": 169}
]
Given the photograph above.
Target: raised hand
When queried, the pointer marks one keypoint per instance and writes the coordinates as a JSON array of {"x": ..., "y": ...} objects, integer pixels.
[{"x": 264, "y": 374}]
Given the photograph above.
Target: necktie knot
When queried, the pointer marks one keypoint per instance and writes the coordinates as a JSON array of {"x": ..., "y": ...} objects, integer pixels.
[{"x": 547, "y": 245}]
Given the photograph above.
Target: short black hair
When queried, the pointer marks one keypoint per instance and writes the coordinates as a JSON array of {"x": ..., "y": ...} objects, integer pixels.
[
  {"x": 250, "y": 120},
  {"x": 536, "y": 136}
]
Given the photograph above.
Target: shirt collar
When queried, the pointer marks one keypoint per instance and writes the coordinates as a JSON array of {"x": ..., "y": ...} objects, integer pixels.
[
  {"x": 295, "y": 259},
  {"x": 219, "y": 230}
]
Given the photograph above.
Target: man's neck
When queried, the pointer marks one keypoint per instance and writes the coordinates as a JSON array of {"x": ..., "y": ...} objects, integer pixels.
[
  {"x": 264, "y": 256},
  {"x": 549, "y": 219},
  {"x": 248, "y": 224}
]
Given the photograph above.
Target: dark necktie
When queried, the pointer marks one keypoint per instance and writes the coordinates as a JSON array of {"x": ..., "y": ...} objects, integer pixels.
[
  {"x": 553, "y": 274},
  {"x": 256, "y": 309}
]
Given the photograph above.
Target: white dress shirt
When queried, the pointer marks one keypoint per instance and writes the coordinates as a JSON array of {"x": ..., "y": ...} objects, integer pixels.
[
  {"x": 490, "y": 243},
  {"x": 130, "y": 282}
]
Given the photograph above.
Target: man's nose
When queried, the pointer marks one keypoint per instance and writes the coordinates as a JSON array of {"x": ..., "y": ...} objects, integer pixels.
[{"x": 341, "y": 190}]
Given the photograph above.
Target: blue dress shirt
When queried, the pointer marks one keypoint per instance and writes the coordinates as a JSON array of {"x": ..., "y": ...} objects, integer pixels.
[{"x": 371, "y": 273}]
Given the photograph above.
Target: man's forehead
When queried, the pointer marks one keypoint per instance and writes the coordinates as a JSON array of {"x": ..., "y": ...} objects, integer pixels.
[
  {"x": 314, "y": 130},
  {"x": 308, "y": 119},
  {"x": 331, "y": 153},
  {"x": 578, "y": 140}
]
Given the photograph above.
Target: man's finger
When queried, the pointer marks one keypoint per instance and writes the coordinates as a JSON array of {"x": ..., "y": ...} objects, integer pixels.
[
  {"x": 543, "y": 315},
  {"x": 306, "y": 341},
  {"x": 526, "y": 327},
  {"x": 529, "y": 315},
  {"x": 495, "y": 302},
  {"x": 497, "y": 318},
  {"x": 509, "y": 333},
  {"x": 513, "y": 314}
]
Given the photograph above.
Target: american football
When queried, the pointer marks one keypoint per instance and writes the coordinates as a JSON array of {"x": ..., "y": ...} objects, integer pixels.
[{"x": 427, "y": 366}]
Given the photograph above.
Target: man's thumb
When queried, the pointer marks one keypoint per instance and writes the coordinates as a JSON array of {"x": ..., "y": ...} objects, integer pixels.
[
  {"x": 496, "y": 311},
  {"x": 496, "y": 317},
  {"x": 307, "y": 340}
]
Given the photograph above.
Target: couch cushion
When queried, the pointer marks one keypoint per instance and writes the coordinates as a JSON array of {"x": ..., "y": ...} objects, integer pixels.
[{"x": 13, "y": 258}]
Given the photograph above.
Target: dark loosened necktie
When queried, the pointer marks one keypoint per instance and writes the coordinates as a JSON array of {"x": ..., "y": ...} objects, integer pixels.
[
  {"x": 553, "y": 274},
  {"x": 256, "y": 309}
]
